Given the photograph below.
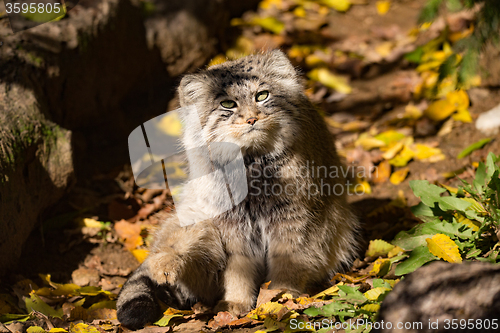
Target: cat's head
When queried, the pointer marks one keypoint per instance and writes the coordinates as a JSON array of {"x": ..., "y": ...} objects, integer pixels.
[{"x": 253, "y": 102}]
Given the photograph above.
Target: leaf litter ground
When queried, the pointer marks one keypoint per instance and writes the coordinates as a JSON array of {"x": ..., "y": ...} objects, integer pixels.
[{"x": 373, "y": 72}]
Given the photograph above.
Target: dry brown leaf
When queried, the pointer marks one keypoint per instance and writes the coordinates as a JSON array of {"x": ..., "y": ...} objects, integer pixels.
[{"x": 130, "y": 232}]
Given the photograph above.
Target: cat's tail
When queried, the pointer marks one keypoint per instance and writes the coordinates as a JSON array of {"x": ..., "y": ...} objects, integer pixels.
[{"x": 137, "y": 303}]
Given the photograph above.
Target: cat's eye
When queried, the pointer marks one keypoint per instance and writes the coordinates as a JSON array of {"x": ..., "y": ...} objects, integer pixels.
[
  {"x": 262, "y": 96},
  {"x": 228, "y": 104}
]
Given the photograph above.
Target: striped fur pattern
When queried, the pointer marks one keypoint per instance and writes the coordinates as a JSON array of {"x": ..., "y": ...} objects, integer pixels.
[{"x": 295, "y": 238}]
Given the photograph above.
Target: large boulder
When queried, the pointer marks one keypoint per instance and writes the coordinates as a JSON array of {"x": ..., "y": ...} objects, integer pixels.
[
  {"x": 72, "y": 90},
  {"x": 444, "y": 297}
]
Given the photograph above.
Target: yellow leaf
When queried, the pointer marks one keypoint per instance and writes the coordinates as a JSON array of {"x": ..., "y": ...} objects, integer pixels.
[
  {"x": 170, "y": 124},
  {"x": 440, "y": 110},
  {"x": 82, "y": 328},
  {"x": 398, "y": 176},
  {"x": 35, "y": 329},
  {"x": 269, "y": 23},
  {"x": 361, "y": 187},
  {"x": 300, "y": 12},
  {"x": 381, "y": 267},
  {"x": 314, "y": 60},
  {"x": 172, "y": 311},
  {"x": 475, "y": 206},
  {"x": 459, "y": 99},
  {"x": 57, "y": 330},
  {"x": 140, "y": 254},
  {"x": 383, "y": 7},
  {"x": 394, "y": 252},
  {"x": 374, "y": 294},
  {"x": 368, "y": 142},
  {"x": 474, "y": 225},
  {"x": 444, "y": 247},
  {"x": 462, "y": 115},
  {"x": 423, "y": 152},
  {"x": 338, "y": 5},
  {"x": 87, "y": 222},
  {"x": 392, "y": 282},
  {"x": 328, "y": 292},
  {"x": 266, "y": 4},
  {"x": 403, "y": 157},
  {"x": 371, "y": 307},
  {"x": 355, "y": 126},
  {"x": 392, "y": 150},
  {"x": 328, "y": 79},
  {"x": 217, "y": 60},
  {"x": 390, "y": 136},
  {"x": 378, "y": 247},
  {"x": 266, "y": 309},
  {"x": 412, "y": 112},
  {"x": 450, "y": 189}
]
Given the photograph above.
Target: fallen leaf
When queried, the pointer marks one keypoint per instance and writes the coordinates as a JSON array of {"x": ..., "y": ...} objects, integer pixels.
[
  {"x": 475, "y": 146},
  {"x": 330, "y": 80},
  {"x": 444, "y": 247},
  {"x": 130, "y": 232},
  {"x": 383, "y": 7},
  {"x": 399, "y": 176},
  {"x": 378, "y": 248},
  {"x": 374, "y": 294},
  {"x": 338, "y": 5},
  {"x": 439, "y": 110},
  {"x": 222, "y": 319},
  {"x": 140, "y": 254},
  {"x": 382, "y": 172}
]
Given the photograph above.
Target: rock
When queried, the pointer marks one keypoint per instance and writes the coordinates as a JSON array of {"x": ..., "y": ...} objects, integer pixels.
[
  {"x": 441, "y": 292},
  {"x": 86, "y": 277},
  {"x": 71, "y": 91},
  {"x": 489, "y": 121}
]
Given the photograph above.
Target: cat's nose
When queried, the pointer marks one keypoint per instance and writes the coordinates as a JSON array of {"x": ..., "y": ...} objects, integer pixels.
[{"x": 252, "y": 120}]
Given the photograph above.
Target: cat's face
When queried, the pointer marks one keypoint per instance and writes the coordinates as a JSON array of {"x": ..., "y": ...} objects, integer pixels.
[{"x": 252, "y": 102}]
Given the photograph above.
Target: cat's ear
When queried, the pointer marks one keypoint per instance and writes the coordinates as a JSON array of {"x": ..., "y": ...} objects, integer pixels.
[
  {"x": 190, "y": 88},
  {"x": 280, "y": 64}
]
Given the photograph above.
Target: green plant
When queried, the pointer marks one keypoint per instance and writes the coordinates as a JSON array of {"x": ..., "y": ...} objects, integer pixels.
[{"x": 463, "y": 225}]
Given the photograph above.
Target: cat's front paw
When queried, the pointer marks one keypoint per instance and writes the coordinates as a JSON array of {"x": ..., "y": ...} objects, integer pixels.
[
  {"x": 164, "y": 267},
  {"x": 234, "y": 308}
]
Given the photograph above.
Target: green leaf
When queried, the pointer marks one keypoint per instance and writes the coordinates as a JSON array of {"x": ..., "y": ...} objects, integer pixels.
[
  {"x": 490, "y": 164},
  {"x": 409, "y": 240},
  {"x": 8, "y": 318},
  {"x": 35, "y": 303},
  {"x": 418, "y": 257},
  {"x": 428, "y": 193},
  {"x": 352, "y": 294},
  {"x": 332, "y": 309},
  {"x": 422, "y": 210},
  {"x": 378, "y": 247},
  {"x": 165, "y": 320},
  {"x": 430, "y": 11},
  {"x": 475, "y": 146},
  {"x": 415, "y": 56},
  {"x": 35, "y": 329},
  {"x": 377, "y": 283}
]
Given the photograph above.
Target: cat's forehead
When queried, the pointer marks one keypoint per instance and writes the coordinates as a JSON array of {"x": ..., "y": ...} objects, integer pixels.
[{"x": 236, "y": 77}]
